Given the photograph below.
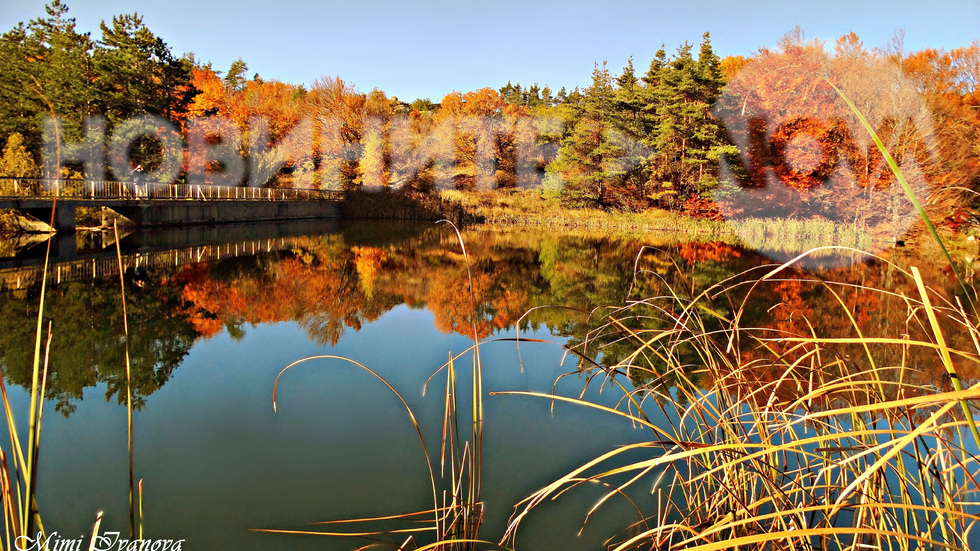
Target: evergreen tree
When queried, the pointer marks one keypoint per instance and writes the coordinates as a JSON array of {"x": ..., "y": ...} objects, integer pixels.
[
  {"x": 235, "y": 77},
  {"x": 50, "y": 69},
  {"x": 630, "y": 188},
  {"x": 138, "y": 74},
  {"x": 628, "y": 101},
  {"x": 652, "y": 95},
  {"x": 546, "y": 99},
  {"x": 589, "y": 157},
  {"x": 512, "y": 93},
  {"x": 533, "y": 96},
  {"x": 47, "y": 69},
  {"x": 686, "y": 139},
  {"x": 562, "y": 96},
  {"x": 710, "y": 75}
]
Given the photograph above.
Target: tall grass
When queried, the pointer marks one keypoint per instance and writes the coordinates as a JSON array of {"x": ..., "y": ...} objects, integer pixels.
[
  {"x": 842, "y": 448},
  {"x": 832, "y": 453},
  {"x": 530, "y": 209},
  {"x": 135, "y": 491},
  {"x": 18, "y": 466}
]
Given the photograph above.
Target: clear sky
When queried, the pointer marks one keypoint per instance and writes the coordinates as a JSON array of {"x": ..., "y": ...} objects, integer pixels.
[{"x": 429, "y": 48}]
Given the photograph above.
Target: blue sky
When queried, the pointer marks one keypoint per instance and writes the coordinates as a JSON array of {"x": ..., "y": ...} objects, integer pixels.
[{"x": 427, "y": 49}]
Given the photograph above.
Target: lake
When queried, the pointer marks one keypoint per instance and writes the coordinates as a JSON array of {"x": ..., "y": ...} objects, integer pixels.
[{"x": 216, "y": 313}]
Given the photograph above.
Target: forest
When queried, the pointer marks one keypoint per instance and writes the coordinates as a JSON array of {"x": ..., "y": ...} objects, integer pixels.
[{"x": 692, "y": 133}]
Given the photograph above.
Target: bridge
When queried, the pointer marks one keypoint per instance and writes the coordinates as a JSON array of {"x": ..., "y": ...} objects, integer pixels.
[{"x": 161, "y": 205}]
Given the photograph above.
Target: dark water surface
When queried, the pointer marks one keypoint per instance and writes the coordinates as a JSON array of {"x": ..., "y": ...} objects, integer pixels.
[{"x": 215, "y": 314}]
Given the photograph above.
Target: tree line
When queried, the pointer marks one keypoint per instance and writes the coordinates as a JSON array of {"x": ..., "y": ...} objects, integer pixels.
[{"x": 692, "y": 132}]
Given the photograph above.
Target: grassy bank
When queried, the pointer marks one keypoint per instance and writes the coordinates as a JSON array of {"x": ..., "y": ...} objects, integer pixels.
[{"x": 532, "y": 209}]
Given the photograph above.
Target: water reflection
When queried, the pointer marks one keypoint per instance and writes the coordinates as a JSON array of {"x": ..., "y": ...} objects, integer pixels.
[
  {"x": 333, "y": 283},
  {"x": 213, "y": 321}
]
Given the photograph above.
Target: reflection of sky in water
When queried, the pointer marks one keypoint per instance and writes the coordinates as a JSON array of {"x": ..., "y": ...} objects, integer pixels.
[
  {"x": 823, "y": 258},
  {"x": 217, "y": 461}
]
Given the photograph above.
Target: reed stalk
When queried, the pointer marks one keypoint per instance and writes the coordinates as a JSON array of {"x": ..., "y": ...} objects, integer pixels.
[
  {"x": 135, "y": 498},
  {"x": 456, "y": 516}
]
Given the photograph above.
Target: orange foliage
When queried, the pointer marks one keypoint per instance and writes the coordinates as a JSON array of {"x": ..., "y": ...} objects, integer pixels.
[
  {"x": 714, "y": 251},
  {"x": 731, "y": 65},
  {"x": 275, "y": 102},
  {"x": 481, "y": 136},
  {"x": 213, "y": 98},
  {"x": 368, "y": 262},
  {"x": 794, "y": 129}
]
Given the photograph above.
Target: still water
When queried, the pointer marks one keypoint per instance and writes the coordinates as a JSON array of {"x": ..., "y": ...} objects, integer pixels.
[{"x": 215, "y": 315}]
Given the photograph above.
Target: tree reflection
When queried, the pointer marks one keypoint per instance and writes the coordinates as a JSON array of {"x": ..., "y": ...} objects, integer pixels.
[
  {"x": 87, "y": 344},
  {"x": 603, "y": 295}
]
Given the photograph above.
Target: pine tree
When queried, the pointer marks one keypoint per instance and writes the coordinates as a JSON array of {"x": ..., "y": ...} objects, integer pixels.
[
  {"x": 629, "y": 189},
  {"x": 138, "y": 74},
  {"x": 686, "y": 139},
  {"x": 546, "y": 99},
  {"x": 589, "y": 157},
  {"x": 235, "y": 77},
  {"x": 628, "y": 101},
  {"x": 652, "y": 96},
  {"x": 533, "y": 96},
  {"x": 47, "y": 68}
]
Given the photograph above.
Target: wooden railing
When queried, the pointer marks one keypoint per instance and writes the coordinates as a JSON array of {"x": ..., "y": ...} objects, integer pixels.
[{"x": 107, "y": 189}]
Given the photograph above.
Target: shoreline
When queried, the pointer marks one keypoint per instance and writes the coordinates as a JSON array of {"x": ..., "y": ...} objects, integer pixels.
[
  {"x": 530, "y": 209},
  {"x": 516, "y": 209}
]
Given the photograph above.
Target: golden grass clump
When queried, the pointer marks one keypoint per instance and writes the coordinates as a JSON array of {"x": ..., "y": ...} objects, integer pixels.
[{"x": 829, "y": 452}]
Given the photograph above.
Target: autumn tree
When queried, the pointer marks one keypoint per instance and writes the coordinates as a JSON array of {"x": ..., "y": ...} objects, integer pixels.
[
  {"x": 464, "y": 136},
  {"x": 805, "y": 153},
  {"x": 480, "y": 141},
  {"x": 338, "y": 110},
  {"x": 950, "y": 84},
  {"x": 376, "y": 158},
  {"x": 212, "y": 97},
  {"x": 16, "y": 161},
  {"x": 277, "y": 135}
]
